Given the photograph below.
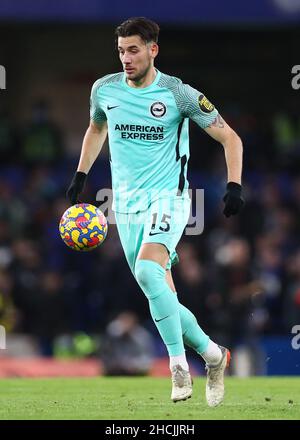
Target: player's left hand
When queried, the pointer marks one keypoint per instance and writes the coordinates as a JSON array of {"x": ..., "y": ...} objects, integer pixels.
[{"x": 233, "y": 199}]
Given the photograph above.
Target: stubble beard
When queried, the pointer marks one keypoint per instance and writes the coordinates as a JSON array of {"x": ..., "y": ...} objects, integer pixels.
[{"x": 141, "y": 75}]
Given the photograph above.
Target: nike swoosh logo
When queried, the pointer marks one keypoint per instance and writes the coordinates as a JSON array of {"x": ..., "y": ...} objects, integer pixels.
[
  {"x": 155, "y": 233},
  {"x": 157, "y": 320},
  {"x": 110, "y": 107}
]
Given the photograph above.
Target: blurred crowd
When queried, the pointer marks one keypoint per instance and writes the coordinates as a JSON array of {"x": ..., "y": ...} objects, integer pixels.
[{"x": 240, "y": 277}]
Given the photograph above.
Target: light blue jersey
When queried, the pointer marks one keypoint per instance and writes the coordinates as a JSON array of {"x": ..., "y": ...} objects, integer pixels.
[{"x": 148, "y": 136}]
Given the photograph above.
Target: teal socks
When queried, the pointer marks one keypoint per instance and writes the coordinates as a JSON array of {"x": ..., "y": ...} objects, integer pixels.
[
  {"x": 176, "y": 324},
  {"x": 163, "y": 304},
  {"x": 192, "y": 333}
]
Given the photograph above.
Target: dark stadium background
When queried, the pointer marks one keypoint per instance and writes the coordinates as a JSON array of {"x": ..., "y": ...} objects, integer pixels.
[{"x": 241, "y": 277}]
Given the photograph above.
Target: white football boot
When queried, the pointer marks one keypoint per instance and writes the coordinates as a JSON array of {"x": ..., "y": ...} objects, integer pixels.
[
  {"x": 182, "y": 386},
  {"x": 215, "y": 379}
]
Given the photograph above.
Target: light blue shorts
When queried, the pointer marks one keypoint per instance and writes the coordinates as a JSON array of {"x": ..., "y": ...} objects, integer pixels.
[{"x": 163, "y": 222}]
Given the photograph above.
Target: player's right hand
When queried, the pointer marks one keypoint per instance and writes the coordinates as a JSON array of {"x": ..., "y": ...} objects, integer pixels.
[{"x": 76, "y": 187}]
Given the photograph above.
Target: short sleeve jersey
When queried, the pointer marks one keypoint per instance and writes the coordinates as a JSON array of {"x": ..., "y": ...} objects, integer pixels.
[{"x": 148, "y": 136}]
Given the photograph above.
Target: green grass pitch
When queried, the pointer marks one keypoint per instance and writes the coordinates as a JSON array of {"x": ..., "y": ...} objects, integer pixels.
[{"x": 146, "y": 398}]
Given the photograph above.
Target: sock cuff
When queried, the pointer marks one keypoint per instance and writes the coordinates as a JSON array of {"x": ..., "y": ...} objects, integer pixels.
[{"x": 150, "y": 264}]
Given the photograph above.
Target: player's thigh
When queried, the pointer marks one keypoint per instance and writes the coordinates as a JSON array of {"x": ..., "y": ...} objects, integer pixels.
[
  {"x": 131, "y": 235},
  {"x": 155, "y": 252},
  {"x": 165, "y": 225}
]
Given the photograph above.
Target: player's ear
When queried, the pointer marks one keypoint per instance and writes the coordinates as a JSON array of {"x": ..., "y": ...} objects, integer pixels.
[{"x": 154, "y": 50}]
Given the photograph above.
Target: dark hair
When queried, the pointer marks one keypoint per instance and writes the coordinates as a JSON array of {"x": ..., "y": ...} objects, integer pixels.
[{"x": 147, "y": 29}]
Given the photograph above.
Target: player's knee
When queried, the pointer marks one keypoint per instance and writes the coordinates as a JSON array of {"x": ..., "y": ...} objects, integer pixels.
[
  {"x": 143, "y": 274},
  {"x": 149, "y": 275}
]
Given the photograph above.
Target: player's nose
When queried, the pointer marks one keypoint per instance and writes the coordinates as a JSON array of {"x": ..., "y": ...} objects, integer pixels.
[{"x": 126, "y": 59}]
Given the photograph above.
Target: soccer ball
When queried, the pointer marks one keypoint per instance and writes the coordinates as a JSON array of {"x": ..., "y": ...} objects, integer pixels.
[{"x": 83, "y": 227}]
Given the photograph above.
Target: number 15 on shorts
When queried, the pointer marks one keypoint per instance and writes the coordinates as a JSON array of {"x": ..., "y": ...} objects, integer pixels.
[{"x": 164, "y": 223}]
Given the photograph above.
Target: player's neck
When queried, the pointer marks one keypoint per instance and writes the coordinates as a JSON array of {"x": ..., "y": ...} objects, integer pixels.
[{"x": 146, "y": 81}]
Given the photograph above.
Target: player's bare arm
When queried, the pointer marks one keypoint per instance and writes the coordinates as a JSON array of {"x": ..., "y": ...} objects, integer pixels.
[
  {"x": 233, "y": 147},
  {"x": 92, "y": 144}
]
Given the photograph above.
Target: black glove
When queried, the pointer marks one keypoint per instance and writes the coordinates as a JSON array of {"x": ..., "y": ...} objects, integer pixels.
[
  {"x": 233, "y": 199},
  {"x": 76, "y": 187}
]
